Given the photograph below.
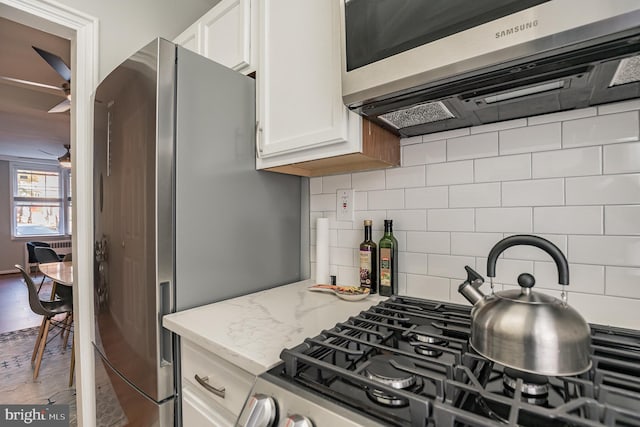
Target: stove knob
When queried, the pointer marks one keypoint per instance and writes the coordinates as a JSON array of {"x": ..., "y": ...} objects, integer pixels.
[
  {"x": 297, "y": 421},
  {"x": 259, "y": 412}
]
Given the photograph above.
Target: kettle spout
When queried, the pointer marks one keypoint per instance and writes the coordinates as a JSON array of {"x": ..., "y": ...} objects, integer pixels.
[{"x": 470, "y": 288}]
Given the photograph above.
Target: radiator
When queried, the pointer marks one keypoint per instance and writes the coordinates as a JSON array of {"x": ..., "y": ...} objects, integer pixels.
[{"x": 62, "y": 247}]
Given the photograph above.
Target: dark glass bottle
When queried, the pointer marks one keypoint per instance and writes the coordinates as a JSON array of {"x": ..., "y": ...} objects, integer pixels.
[
  {"x": 368, "y": 259},
  {"x": 388, "y": 261}
]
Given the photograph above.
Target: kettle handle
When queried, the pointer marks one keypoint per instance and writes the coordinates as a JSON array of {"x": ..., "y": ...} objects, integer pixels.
[{"x": 538, "y": 242}]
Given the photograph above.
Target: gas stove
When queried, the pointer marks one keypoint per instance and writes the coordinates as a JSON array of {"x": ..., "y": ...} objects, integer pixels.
[{"x": 408, "y": 362}]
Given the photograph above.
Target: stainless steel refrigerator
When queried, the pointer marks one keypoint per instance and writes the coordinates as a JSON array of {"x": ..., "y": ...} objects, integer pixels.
[{"x": 182, "y": 219}]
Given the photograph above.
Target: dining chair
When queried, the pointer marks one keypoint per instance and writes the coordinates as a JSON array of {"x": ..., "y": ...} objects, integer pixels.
[
  {"x": 45, "y": 255},
  {"x": 32, "y": 256},
  {"x": 47, "y": 309}
]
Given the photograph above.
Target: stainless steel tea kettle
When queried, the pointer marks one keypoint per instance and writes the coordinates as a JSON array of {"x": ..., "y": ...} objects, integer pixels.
[{"x": 525, "y": 330}]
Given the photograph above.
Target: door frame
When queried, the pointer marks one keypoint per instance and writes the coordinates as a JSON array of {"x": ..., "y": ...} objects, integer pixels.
[{"x": 82, "y": 30}]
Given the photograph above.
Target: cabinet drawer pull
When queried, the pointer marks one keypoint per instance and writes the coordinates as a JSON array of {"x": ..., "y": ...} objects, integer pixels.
[{"x": 204, "y": 382}]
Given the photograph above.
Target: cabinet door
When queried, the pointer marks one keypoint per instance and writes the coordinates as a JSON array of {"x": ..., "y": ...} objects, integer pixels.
[
  {"x": 226, "y": 34},
  {"x": 300, "y": 104},
  {"x": 190, "y": 38}
]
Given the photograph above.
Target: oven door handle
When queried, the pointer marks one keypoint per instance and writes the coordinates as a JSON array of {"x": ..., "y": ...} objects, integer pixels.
[{"x": 204, "y": 382}]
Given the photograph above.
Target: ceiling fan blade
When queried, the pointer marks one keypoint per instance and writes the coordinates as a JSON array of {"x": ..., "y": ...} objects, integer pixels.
[
  {"x": 56, "y": 63},
  {"x": 61, "y": 107},
  {"x": 19, "y": 82}
]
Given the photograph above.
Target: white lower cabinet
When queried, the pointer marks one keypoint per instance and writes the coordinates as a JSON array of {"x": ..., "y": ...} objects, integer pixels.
[{"x": 213, "y": 390}]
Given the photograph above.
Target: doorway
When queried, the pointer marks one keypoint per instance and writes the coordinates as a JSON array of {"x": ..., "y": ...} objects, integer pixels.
[{"x": 82, "y": 31}]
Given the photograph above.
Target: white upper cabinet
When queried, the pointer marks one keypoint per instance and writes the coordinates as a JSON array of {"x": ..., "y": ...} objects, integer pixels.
[
  {"x": 301, "y": 115},
  {"x": 226, "y": 34}
]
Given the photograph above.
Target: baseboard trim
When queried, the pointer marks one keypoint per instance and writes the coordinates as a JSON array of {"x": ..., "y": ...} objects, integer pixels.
[{"x": 8, "y": 271}]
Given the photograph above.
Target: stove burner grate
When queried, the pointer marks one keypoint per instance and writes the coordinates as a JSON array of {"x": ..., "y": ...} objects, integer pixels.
[{"x": 388, "y": 370}]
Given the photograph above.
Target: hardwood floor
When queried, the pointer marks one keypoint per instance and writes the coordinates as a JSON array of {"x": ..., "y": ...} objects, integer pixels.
[{"x": 15, "y": 313}]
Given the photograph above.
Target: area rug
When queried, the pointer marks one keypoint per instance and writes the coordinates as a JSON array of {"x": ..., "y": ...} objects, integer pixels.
[{"x": 16, "y": 372}]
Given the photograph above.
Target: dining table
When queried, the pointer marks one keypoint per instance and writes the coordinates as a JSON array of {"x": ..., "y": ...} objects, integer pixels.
[{"x": 60, "y": 272}]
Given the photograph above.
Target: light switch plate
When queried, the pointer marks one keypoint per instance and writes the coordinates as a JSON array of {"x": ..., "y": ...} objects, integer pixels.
[{"x": 344, "y": 205}]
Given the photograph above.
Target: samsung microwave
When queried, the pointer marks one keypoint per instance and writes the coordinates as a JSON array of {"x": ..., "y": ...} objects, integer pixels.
[{"x": 421, "y": 66}]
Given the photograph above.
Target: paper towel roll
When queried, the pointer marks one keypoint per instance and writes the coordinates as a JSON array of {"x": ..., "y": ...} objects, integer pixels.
[{"x": 322, "y": 250}]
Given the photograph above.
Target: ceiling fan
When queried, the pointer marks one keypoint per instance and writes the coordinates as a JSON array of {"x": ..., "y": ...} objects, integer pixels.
[
  {"x": 65, "y": 159},
  {"x": 63, "y": 70}
]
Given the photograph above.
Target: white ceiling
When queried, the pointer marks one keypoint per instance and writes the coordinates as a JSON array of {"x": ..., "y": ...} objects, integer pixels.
[{"x": 26, "y": 128}]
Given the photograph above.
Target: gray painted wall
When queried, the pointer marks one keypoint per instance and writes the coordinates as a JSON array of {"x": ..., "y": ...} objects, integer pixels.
[{"x": 126, "y": 26}]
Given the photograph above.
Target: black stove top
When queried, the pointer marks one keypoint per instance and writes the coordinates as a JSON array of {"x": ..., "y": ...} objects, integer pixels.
[{"x": 407, "y": 362}]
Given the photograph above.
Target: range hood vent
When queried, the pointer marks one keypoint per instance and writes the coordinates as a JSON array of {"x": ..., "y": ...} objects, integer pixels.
[{"x": 567, "y": 78}]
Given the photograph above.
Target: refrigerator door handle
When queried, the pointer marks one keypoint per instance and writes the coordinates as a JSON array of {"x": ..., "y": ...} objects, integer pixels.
[{"x": 166, "y": 337}]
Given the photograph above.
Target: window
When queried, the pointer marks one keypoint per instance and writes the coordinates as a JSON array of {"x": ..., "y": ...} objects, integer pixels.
[{"x": 41, "y": 202}]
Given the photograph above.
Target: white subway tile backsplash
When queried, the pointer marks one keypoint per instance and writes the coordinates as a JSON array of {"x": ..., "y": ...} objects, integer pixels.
[
  {"x": 449, "y": 266},
  {"x": 620, "y": 251},
  {"x": 532, "y": 138},
  {"x": 533, "y": 253},
  {"x": 474, "y": 195},
  {"x": 492, "y": 127},
  {"x": 406, "y": 177},
  {"x": 411, "y": 140},
  {"x": 412, "y": 262},
  {"x": 450, "y": 220},
  {"x": 402, "y": 284},
  {"x": 622, "y": 220},
  {"x": 603, "y": 190},
  {"x": 347, "y": 276},
  {"x": 623, "y": 282},
  {"x": 622, "y": 158},
  {"x": 429, "y": 242},
  {"x": 450, "y": 173},
  {"x": 618, "y": 107},
  {"x": 541, "y": 192},
  {"x": 360, "y": 201},
  {"x": 386, "y": 199},
  {"x": 428, "y": 287},
  {"x": 341, "y": 256},
  {"x": 562, "y": 116},
  {"x": 606, "y": 310},
  {"x": 408, "y": 220},
  {"x": 377, "y": 217},
  {"x": 332, "y": 183},
  {"x": 427, "y": 197},
  {"x": 322, "y": 202},
  {"x": 582, "y": 277},
  {"x": 508, "y": 220},
  {"x": 451, "y": 205},
  {"x": 363, "y": 181},
  {"x": 473, "y": 244},
  {"x": 505, "y": 168},
  {"x": 445, "y": 135},
  {"x": 350, "y": 238},
  {"x": 608, "y": 129},
  {"x": 568, "y": 219},
  {"x": 423, "y": 154},
  {"x": 473, "y": 146},
  {"x": 315, "y": 185},
  {"x": 573, "y": 162},
  {"x": 507, "y": 270}
]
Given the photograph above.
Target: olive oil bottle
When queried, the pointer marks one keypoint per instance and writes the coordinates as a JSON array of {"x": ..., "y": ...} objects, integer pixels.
[
  {"x": 388, "y": 261},
  {"x": 368, "y": 260}
]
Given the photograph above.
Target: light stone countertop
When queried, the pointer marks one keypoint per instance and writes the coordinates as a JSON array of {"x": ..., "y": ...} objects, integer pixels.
[{"x": 250, "y": 331}]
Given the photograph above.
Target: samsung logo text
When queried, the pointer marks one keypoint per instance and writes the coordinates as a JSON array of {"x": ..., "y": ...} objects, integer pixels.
[{"x": 517, "y": 29}]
